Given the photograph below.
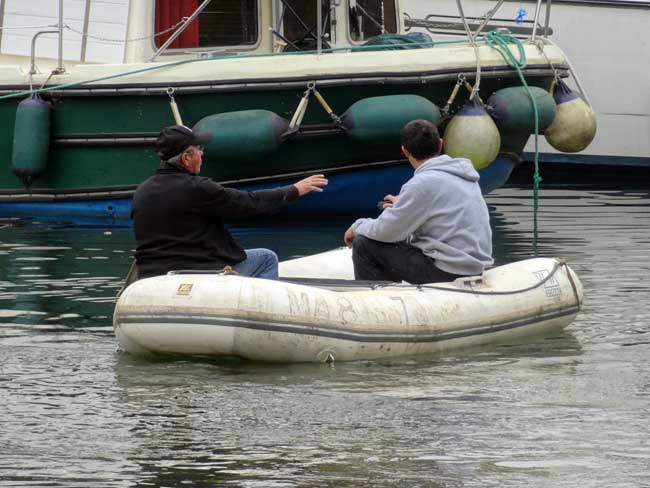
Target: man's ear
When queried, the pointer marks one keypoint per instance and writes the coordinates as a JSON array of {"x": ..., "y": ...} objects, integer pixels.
[
  {"x": 405, "y": 152},
  {"x": 440, "y": 144},
  {"x": 183, "y": 163}
]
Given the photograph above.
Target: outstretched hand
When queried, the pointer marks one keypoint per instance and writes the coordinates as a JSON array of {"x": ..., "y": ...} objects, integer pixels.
[{"x": 311, "y": 183}]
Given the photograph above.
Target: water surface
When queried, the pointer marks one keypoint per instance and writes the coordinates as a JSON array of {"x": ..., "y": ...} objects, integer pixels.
[{"x": 569, "y": 409}]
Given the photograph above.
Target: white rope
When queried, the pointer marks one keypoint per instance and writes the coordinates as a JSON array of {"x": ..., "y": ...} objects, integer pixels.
[
  {"x": 97, "y": 38},
  {"x": 540, "y": 47},
  {"x": 583, "y": 93},
  {"x": 133, "y": 39},
  {"x": 477, "y": 82},
  {"x": 29, "y": 27}
]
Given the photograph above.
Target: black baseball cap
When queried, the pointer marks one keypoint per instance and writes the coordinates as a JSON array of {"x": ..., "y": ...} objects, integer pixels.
[{"x": 175, "y": 139}]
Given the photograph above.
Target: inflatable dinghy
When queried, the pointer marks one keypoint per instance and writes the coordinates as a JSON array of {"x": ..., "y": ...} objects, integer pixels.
[{"x": 317, "y": 312}]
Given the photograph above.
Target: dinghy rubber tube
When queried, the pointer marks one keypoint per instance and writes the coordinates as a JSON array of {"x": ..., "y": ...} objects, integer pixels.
[
  {"x": 313, "y": 319},
  {"x": 31, "y": 139}
]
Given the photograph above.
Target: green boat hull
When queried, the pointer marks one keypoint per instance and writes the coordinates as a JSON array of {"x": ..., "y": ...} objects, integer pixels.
[{"x": 105, "y": 140}]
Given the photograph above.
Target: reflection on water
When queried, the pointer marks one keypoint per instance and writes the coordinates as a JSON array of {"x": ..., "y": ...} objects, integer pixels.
[{"x": 565, "y": 410}]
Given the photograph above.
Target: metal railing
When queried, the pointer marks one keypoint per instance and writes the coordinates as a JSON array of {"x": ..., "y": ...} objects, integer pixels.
[
  {"x": 456, "y": 24},
  {"x": 32, "y": 60}
]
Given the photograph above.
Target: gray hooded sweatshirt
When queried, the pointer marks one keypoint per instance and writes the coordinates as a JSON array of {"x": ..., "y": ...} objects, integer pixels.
[{"x": 442, "y": 212}]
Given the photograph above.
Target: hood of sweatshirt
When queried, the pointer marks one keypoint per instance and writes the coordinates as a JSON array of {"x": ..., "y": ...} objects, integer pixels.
[{"x": 460, "y": 167}]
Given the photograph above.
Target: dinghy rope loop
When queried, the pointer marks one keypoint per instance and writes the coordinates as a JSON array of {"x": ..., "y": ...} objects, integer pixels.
[{"x": 499, "y": 40}]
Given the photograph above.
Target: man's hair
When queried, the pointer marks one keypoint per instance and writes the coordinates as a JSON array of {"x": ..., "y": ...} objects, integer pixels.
[{"x": 420, "y": 138}]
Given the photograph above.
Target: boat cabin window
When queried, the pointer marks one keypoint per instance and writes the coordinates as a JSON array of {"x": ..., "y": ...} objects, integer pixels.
[
  {"x": 221, "y": 23},
  {"x": 299, "y": 29},
  {"x": 370, "y": 18}
]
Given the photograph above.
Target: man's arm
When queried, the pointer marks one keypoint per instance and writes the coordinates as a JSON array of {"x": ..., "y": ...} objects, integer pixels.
[
  {"x": 395, "y": 223},
  {"x": 231, "y": 203}
]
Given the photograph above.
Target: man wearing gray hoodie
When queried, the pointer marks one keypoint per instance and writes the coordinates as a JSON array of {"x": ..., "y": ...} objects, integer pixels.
[{"x": 437, "y": 229}]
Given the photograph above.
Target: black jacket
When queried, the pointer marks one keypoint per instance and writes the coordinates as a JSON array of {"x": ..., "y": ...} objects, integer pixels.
[{"x": 178, "y": 220}]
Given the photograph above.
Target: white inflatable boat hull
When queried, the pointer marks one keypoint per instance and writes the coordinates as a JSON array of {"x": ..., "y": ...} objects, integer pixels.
[{"x": 230, "y": 315}]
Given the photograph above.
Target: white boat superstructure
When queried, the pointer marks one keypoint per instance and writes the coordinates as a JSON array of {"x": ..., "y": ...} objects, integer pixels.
[
  {"x": 606, "y": 41},
  {"x": 87, "y": 85},
  {"x": 101, "y": 39}
]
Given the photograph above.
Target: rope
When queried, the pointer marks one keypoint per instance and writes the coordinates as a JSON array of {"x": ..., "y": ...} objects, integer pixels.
[
  {"x": 556, "y": 267},
  {"x": 97, "y": 38},
  {"x": 472, "y": 41},
  {"x": 131, "y": 39},
  {"x": 28, "y": 27},
  {"x": 299, "y": 114},
  {"x": 174, "y": 107},
  {"x": 198, "y": 60},
  {"x": 459, "y": 82},
  {"x": 499, "y": 41},
  {"x": 94, "y": 80}
]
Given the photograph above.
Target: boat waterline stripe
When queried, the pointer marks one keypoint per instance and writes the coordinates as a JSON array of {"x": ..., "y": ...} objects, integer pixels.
[
  {"x": 335, "y": 333},
  {"x": 123, "y": 191}
]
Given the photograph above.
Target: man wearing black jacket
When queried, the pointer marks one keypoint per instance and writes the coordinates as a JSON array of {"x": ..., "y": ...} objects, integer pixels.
[{"x": 178, "y": 216}]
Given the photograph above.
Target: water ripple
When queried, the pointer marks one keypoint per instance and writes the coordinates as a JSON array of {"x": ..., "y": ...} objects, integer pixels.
[{"x": 568, "y": 409}]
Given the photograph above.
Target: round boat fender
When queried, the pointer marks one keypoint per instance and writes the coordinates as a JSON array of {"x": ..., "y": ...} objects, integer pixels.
[
  {"x": 379, "y": 120},
  {"x": 31, "y": 142},
  {"x": 472, "y": 134},
  {"x": 245, "y": 136},
  {"x": 574, "y": 126},
  {"x": 512, "y": 109}
]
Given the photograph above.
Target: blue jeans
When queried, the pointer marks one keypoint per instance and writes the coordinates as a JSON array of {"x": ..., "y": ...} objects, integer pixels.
[{"x": 259, "y": 263}]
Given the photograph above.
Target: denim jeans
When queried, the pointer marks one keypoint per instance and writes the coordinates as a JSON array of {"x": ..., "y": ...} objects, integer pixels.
[{"x": 259, "y": 263}]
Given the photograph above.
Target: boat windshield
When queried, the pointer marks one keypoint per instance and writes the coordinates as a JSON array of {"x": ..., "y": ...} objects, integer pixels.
[
  {"x": 370, "y": 18},
  {"x": 298, "y": 29},
  {"x": 220, "y": 23}
]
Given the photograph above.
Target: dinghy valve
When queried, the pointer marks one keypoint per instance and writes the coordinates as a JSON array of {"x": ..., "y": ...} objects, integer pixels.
[{"x": 326, "y": 356}]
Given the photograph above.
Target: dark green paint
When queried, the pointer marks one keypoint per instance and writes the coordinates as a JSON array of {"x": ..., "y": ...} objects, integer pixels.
[
  {"x": 513, "y": 109},
  {"x": 31, "y": 139},
  {"x": 377, "y": 120},
  {"x": 242, "y": 136},
  {"x": 95, "y": 166}
]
